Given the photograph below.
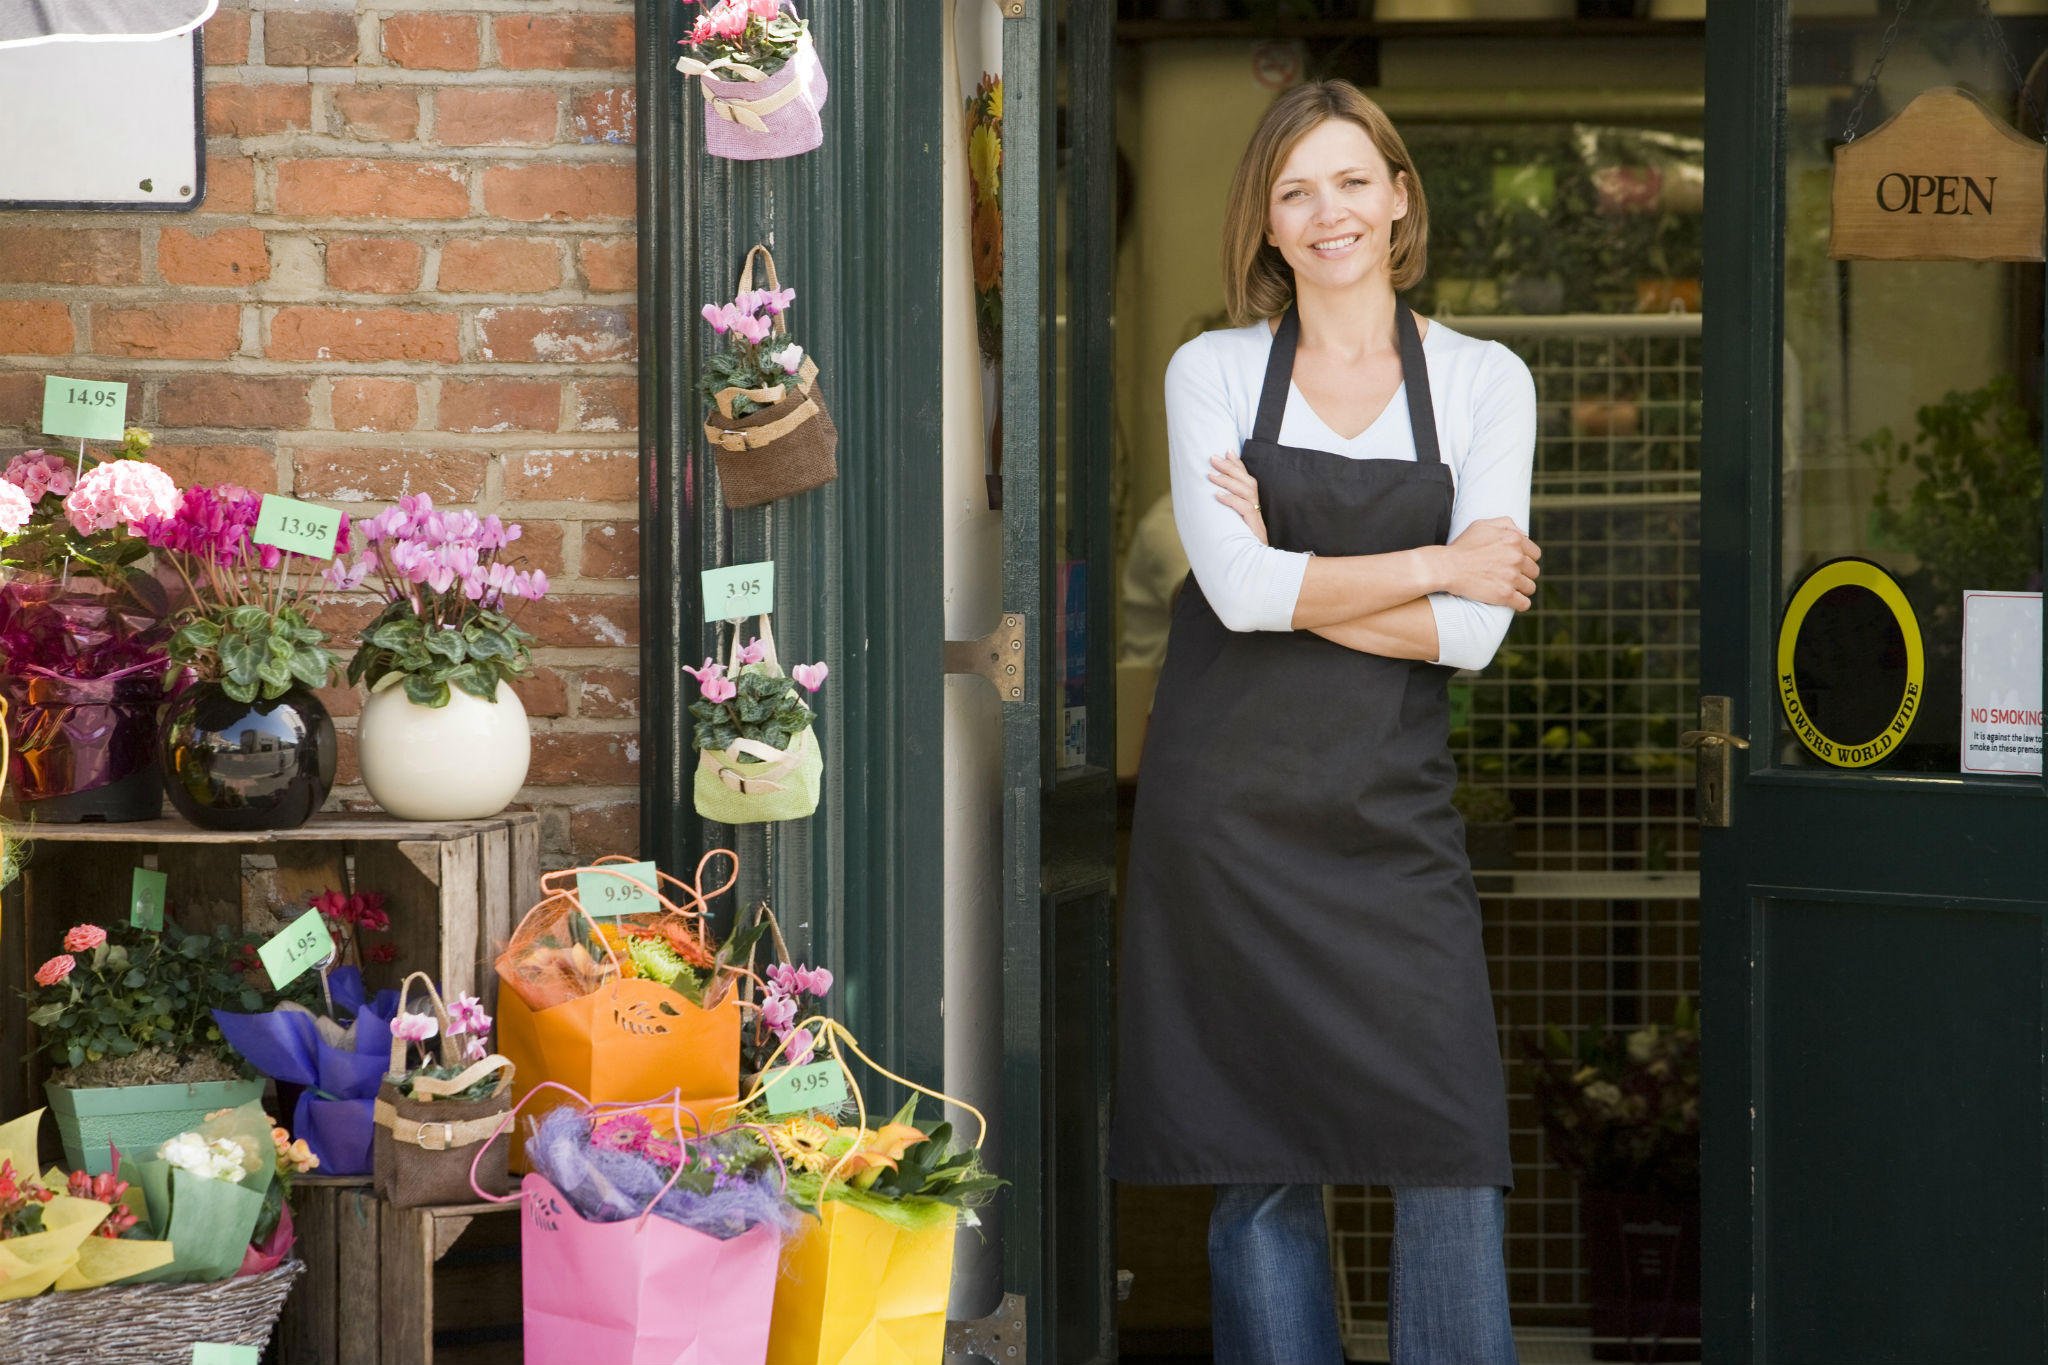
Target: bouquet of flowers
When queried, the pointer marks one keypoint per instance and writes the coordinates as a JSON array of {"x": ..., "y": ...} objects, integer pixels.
[
  {"x": 757, "y": 756},
  {"x": 445, "y": 583},
  {"x": 768, "y": 424},
  {"x": 67, "y": 1230},
  {"x": 429, "y": 1117},
  {"x": 763, "y": 84},
  {"x": 83, "y": 630},
  {"x": 1622, "y": 1111},
  {"x": 218, "y": 1194}
]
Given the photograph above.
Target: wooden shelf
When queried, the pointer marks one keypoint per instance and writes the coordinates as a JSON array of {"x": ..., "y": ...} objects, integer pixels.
[{"x": 327, "y": 827}]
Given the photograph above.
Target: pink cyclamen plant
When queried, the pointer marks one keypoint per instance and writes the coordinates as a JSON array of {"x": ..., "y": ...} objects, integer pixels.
[{"x": 755, "y": 356}]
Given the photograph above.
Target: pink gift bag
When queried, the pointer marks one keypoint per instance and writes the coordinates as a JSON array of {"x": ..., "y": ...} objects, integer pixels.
[{"x": 645, "y": 1292}]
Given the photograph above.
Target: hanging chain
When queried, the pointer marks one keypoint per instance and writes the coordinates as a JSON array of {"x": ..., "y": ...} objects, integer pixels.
[
  {"x": 1884, "y": 50},
  {"x": 2012, "y": 64}
]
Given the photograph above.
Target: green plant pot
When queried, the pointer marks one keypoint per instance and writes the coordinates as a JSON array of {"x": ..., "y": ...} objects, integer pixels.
[{"x": 136, "y": 1118}]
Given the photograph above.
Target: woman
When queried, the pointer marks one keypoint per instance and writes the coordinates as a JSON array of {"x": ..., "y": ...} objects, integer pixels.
[{"x": 1305, "y": 997}]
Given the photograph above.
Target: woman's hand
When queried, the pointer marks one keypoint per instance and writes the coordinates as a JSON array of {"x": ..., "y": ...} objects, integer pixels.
[
  {"x": 1492, "y": 562},
  {"x": 1240, "y": 492}
]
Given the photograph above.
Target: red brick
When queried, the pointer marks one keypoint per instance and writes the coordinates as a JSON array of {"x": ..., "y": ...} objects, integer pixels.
[
  {"x": 606, "y": 115},
  {"x": 314, "y": 333},
  {"x": 500, "y": 265},
  {"x": 250, "y": 466},
  {"x": 567, "y": 42},
  {"x": 375, "y": 405},
  {"x": 542, "y": 193},
  {"x": 582, "y": 621},
  {"x": 611, "y": 549},
  {"x": 605, "y": 405},
  {"x": 309, "y": 37},
  {"x": 21, "y": 400},
  {"x": 230, "y": 183},
  {"x": 168, "y": 331},
  {"x": 433, "y": 42},
  {"x": 543, "y": 693},
  {"x": 343, "y": 618},
  {"x": 32, "y": 328},
  {"x": 607, "y": 827},
  {"x": 610, "y": 265},
  {"x": 608, "y": 693},
  {"x": 556, "y": 335},
  {"x": 500, "y": 405},
  {"x": 227, "y": 37},
  {"x": 572, "y": 759},
  {"x": 56, "y": 255},
  {"x": 347, "y": 769},
  {"x": 356, "y": 475},
  {"x": 374, "y": 265},
  {"x": 539, "y": 547},
  {"x": 573, "y": 476},
  {"x": 229, "y": 256},
  {"x": 377, "y": 113},
  {"x": 232, "y": 400},
  {"x": 351, "y": 188},
  {"x": 258, "y": 110},
  {"x": 523, "y": 117},
  {"x": 343, "y": 700}
]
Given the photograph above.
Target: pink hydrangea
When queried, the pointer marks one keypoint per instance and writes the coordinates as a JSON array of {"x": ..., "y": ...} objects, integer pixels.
[
  {"x": 15, "y": 508},
  {"x": 83, "y": 938},
  {"x": 120, "y": 493},
  {"x": 56, "y": 969},
  {"x": 38, "y": 474}
]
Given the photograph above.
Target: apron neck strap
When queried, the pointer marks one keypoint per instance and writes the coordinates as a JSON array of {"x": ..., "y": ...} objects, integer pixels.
[{"x": 1414, "y": 377}]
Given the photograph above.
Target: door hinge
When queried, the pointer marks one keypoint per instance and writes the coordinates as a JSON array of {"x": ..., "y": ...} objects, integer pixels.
[
  {"x": 997, "y": 656},
  {"x": 1714, "y": 747},
  {"x": 998, "y": 1338}
]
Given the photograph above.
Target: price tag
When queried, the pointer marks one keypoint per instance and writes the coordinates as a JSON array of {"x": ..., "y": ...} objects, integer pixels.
[
  {"x": 90, "y": 408},
  {"x": 739, "y": 590},
  {"x": 605, "y": 895},
  {"x": 795, "y": 1089},
  {"x": 303, "y": 943},
  {"x": 300, "y": 527},
  {"x": 146, "y": 900},
  {"x": 214, "y": 1353}
]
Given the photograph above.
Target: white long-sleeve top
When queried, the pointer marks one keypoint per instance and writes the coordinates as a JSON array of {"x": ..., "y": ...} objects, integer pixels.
[{"x": 1486, "y": 429}]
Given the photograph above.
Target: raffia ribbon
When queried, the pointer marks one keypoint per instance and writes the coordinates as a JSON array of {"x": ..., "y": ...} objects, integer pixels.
[
  {"x": 759, "y": 779},
  {"x": 753, "y": 438},
  {"x": 749, "y": 114}
]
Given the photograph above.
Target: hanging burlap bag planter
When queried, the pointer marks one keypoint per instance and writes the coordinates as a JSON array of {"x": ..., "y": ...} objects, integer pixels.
[{"x": 785, "y": 447}]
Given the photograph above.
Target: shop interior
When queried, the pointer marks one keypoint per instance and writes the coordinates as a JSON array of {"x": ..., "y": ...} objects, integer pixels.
[{"x": 1562, "y": 149}]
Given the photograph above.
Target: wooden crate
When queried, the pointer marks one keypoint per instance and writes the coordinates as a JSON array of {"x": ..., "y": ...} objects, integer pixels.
[
  {"x": 454, "y": 891},
  {"x": 387, "y": 1286}
]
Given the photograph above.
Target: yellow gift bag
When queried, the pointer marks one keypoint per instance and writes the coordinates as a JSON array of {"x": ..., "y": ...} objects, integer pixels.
[{"x": 865, "y": 1284}]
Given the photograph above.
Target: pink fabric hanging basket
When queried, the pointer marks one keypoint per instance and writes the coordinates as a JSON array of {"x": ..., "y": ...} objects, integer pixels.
[{"x": 774, "y": 117}]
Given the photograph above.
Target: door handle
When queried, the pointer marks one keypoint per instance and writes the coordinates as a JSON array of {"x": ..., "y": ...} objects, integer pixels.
[{"x": 1715, "y": 745}]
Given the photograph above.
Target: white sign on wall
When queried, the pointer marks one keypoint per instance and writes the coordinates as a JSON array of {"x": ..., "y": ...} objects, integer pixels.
[{"x": 2001, "y": 682}]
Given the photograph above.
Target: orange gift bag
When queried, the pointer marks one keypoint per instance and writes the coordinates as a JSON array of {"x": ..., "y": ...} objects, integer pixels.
[{"x": 622, "y": 1009}]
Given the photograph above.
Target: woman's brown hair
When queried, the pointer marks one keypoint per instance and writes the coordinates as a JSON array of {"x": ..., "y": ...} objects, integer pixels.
[{"x": 1257, "y": 281}]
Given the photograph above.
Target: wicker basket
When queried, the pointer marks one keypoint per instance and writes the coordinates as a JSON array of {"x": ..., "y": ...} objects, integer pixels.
[{"x": 144, "y": 1324}]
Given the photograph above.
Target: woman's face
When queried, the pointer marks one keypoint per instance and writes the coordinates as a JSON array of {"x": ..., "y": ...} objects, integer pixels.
[{"x": 1333, "y": 206}]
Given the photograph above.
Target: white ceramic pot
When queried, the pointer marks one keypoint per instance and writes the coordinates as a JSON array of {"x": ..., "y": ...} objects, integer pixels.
[{"x": 462, "y": 761}]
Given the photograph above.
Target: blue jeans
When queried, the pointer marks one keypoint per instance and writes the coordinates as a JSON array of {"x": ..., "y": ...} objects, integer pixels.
[{"x": 1273, "y": 1301}]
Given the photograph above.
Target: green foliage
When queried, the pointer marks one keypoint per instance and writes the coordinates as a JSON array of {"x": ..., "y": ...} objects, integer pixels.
[
  {"x": 251, "y": 650},
  {"x": 1622, "y": 1110},
  {"x": 936, "y": 1169},
  {"x": 1973, "y": 512},
  {"x": 655, "y": 960},
  {"x": 144, "y": 990},
  {"x": 741, "y": 365},
  {"x": 401, "y": 647},
  {"x": 766, "y": 706}
]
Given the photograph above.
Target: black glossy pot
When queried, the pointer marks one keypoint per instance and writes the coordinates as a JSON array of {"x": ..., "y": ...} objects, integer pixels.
[{"x": 241, "y": 766}]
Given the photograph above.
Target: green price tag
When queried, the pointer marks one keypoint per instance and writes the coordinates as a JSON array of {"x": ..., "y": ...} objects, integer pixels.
[
  {"x": 213, "y": 1353},
  {"x": 607, "y": 894},
  {"x": 796, "y": 1089},
  {"x": 146, "y": 900},
  {"x": 739, "y": 590},
  {"x": 90, "y": 408},
  {"x": 301, "y": 944},
  {"x": 300, "y": 527},
  {"x": 1461, "y": 705}
]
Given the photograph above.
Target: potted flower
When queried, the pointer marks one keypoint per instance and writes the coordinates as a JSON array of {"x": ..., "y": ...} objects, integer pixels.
[
  {"x": 126, "y": 1014},
  {"x": 1621, "y": 1111},
  {"x": 757, "y": 751},
  {"x": 245, "y": 743},
  {"x": 443, "y": 736},
  {"x": 433, "y": 1118},
  {"x": 82, "y": 632},
  {"x": 768, "y": 425},
  {"x": 762, "y": 81}
]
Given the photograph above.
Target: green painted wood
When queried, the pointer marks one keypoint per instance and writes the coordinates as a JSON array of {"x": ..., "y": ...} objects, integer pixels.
[
  {"x": 1871, "y": 942},
  {"x": 855, "y": 231}
]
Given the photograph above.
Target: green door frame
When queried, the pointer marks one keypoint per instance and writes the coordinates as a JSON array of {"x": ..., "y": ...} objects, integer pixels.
[{"x": 1874, "y": 963}]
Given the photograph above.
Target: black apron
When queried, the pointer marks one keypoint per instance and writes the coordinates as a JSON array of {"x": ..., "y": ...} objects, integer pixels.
[{"x": 1304, "y": 993}]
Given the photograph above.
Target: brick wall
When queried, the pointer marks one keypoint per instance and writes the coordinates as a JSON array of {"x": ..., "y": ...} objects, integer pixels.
[{"x": 413, "y": 272}]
